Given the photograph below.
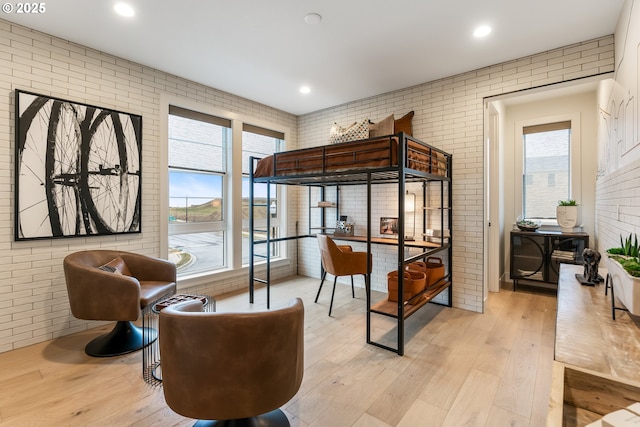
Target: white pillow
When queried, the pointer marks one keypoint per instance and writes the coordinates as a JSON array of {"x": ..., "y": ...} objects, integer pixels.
[{"x": 358, "y": 130}]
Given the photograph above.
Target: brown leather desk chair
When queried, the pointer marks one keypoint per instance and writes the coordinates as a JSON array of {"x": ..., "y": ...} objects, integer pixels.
[
  {"x": 235, "y": 368},
  {"x": 340, "y": 260},
  {"x": 116, "y": 285}
]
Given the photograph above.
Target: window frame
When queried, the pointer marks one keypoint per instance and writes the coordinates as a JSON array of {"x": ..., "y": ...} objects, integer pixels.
[
  {"x": 220, "y": 226},
  {"x": 232, "y": 189},
  {"x": 575, "y": 154},
  {"x": 278, "y": 248}
]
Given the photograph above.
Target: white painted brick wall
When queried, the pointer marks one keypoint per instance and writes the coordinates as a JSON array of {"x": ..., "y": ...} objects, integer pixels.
[
  {"x": 618, "y": 184},
  {"x": 449, "y": 115},
  {"x": 33, "y": 298},
  {"x": 618, "y": 192}
]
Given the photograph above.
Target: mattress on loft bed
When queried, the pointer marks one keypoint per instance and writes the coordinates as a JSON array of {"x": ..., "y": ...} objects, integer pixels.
[{"x": 363, "y": 154}]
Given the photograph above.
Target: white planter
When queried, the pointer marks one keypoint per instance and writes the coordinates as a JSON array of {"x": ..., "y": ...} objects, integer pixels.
[
  {"x": 625, "y": 286},
  {"x": 568, "y": 217}
]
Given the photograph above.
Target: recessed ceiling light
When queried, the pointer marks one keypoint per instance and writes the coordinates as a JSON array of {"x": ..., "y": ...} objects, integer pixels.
[
  {"x": 482, "y": 31},
  {"x": 312, "y": 18},
  {"x": 305, "y": 89},
  {"x": 124, "y": 10}
]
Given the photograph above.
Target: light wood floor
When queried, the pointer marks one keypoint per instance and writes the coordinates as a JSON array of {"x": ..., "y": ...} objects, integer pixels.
[{"x": 460, "y": 369}]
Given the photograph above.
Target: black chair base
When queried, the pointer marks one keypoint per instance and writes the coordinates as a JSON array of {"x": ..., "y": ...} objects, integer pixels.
[
  {"x": 275, "y": 418},
  {"x": 124, "y": 338}
]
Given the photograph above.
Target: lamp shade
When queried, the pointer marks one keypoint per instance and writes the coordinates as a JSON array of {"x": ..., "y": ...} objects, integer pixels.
[{"x": 409, "y": 202}]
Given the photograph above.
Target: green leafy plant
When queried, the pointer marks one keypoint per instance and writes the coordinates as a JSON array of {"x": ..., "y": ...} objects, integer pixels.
[
  {"x": 627, "y": 254},
  {"x": 631, "y": 265},
  {"x": 569, "y": 202},
  {"x": 615, "y": 251},
  {"x": 628, "y": 247}
]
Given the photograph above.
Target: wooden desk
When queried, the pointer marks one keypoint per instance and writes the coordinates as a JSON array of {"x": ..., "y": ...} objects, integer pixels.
[
  {"x": 597, "y": 367},
  {"x": 384, "y": 241},
  {"x": 587, "y": 337}
]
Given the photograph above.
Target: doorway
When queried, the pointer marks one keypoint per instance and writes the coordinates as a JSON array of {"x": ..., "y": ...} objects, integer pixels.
[{"x": 503, "y": 115}]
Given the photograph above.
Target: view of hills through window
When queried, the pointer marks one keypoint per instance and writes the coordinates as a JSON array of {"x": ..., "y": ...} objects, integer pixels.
[{"x": 198, "y": 191}]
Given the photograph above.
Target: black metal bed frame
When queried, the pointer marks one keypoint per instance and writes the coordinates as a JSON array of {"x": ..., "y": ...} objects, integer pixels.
[{"x": 400, "y": 174}]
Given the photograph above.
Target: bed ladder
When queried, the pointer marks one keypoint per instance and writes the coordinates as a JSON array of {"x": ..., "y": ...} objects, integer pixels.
[{"x": 253, "y": 256}]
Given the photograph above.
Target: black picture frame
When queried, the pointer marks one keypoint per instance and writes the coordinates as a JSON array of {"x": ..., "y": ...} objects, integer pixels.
[
  {"x": 389, "y": 226},
  {"x": 78, "y": 169}
]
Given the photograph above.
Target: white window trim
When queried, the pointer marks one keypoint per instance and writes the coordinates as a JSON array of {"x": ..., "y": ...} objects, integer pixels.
[
  {"x": 575, "y": 181},
  {"x": 233, "y": 186}
]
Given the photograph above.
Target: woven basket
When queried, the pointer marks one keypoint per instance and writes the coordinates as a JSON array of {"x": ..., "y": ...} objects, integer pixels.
[
  {"x": 414, "y": 282},
  {"x": 433, "y": 268},
  {"x": 435, "y": 271}
]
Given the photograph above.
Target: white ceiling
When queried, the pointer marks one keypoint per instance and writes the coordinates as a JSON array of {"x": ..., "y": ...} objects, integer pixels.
[{"x": 264, "y": 51}]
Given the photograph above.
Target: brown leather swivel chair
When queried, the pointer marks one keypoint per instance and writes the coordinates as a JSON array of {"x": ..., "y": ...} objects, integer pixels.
[
  {"x": 340, "y": 260},
  {"x": 231, "y": 369},
  {"x": 115, "y": 285}
]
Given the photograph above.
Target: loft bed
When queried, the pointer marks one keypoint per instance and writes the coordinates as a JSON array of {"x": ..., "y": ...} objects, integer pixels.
[{"x": 398, "y": 159}]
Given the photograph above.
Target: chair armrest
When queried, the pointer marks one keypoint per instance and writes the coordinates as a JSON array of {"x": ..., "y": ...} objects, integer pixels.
[
  {"x": 147, "y": 268},
  {"x": 352, "y": 263},
  {"x": 95, "y": 294},
  {"x": 345, "y": 248}
]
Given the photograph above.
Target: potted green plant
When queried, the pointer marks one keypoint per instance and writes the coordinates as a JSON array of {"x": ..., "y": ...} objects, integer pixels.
[
  {"x": 567, "y": 215},
  {"x": 628, "y": 247},
  {"x": 624, "y": 272}
]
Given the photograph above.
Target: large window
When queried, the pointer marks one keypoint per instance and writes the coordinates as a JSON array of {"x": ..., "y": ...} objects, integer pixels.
[
  {"x": 208, "y": 210},
  {"x": 259, "y": 142},
  {"x": 197, "y": 173},
  {"x": 546, "y": 168}
]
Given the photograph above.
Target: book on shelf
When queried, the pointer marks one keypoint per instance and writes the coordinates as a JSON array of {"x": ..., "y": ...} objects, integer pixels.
[{"x": 563, "y": 254}]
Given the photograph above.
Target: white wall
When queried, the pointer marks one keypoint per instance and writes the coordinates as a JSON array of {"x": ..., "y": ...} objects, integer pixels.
[
  {"x": 449, "y": 114},
  {"x": 618, "y": 182},
  {"x": 33, "y": 297}
]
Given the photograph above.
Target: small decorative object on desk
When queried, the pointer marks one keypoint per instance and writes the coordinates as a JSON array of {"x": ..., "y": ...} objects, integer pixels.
[
  {"x": 343, "y": 228},
  {"x": 527, "y": 225},
  {"x": 590, "y": 276}
]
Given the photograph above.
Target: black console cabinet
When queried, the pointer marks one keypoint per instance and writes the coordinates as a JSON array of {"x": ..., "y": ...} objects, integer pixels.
[{"x": 537, "y": 255}]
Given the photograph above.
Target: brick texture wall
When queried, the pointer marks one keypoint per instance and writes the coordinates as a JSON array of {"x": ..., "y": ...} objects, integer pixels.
[
  {"x": 618, "y": 206},
  {"x": 618, "y": 181},
  {"x": 449, "y": 115},
  {"x": 33, "y": 297}
]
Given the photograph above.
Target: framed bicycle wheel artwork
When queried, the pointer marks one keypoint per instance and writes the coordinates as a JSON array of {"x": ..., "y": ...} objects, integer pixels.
[{"x": 78, "y": 169}]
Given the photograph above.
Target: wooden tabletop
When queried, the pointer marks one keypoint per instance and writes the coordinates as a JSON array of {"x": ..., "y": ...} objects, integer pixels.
[
  {"x": 389, "y": 241},
  {"x": 587, "y": 336}
]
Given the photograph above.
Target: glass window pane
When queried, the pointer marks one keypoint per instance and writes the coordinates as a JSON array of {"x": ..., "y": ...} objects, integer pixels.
[
  {"x": 195, "y": 197},
  {"x": 196, "y": 145},
  {"x": 197, "y": 252},
  {"x": 260, "y": 146},
  {"x": 260, "y": 198},
  {"x": 546, "y": 154},
  {"x": 257, "y": 146},
  {"x": 197, "y": 164}
]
